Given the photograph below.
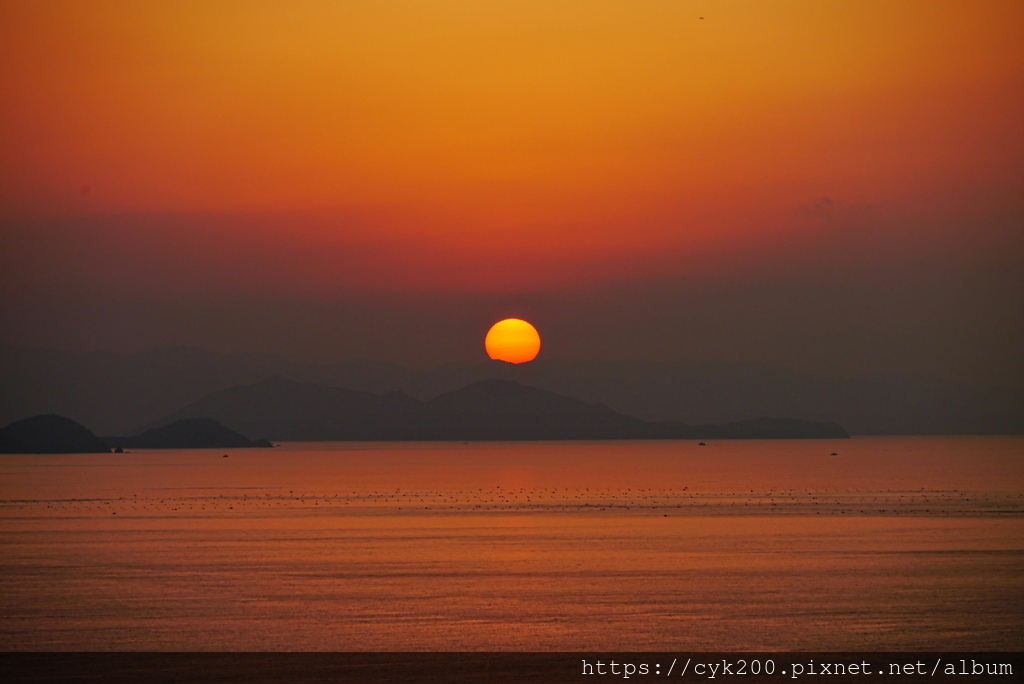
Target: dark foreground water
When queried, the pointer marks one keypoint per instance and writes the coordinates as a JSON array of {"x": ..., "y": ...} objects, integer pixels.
[{"x": 892, "y": 544}]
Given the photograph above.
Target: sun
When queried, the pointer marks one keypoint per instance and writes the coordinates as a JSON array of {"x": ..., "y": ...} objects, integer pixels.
[{"x": 513, "y": 340}]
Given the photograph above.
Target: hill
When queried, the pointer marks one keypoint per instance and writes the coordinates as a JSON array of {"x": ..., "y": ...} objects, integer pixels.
[
  {"x": 189, "y": 433},
  {"x": 49, "y": 434},
  {"x": 286, "y": 410},
  {"x": 505, "y": 410},
  {"x": 120, "y": 393}
]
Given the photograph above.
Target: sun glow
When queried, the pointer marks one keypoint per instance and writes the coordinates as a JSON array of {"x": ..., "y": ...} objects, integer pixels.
[{"x": 513, "y": 340}]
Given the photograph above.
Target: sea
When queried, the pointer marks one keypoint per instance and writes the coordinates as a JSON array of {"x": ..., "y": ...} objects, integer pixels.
[{"x": 862, "y": 544}]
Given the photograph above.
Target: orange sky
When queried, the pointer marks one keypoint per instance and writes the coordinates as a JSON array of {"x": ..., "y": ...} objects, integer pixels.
[
  {"x": 535, "y": 128},
  {"x": 505, "y": 147}
]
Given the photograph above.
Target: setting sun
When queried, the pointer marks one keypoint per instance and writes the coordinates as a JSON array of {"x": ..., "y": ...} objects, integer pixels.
[{"x": 512, "y": 340}]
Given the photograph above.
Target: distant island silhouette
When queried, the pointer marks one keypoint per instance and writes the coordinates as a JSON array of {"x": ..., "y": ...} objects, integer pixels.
[
  {"x": 121, "y": 394},
  {"x": 49, "y": 434},
  {"x": 188, "y": 433},
  {"x": 286, "y": 410}
]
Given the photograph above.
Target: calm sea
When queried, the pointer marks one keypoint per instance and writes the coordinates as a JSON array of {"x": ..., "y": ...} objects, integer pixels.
[{"x": 910, "y": 543}]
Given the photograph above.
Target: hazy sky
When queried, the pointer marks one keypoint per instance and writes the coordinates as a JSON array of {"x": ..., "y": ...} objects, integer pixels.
[{"x": 837, "y": 187}]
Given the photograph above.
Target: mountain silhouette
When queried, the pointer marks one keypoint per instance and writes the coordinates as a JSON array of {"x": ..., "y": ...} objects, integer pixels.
[
  {"x": 188, "y": 433},
  {"x": 49, "y": 434},
  {"x": 285, "y": 410},
  {"x": 506, "y": 410},
  {"x": 122, "y": 393}
]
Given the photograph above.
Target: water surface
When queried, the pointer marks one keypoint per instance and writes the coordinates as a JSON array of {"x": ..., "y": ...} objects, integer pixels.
[{"x": 891, "y": 544}]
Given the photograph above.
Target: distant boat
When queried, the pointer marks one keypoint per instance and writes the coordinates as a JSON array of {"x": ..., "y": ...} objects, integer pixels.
[{"x": 701, "y": 444}]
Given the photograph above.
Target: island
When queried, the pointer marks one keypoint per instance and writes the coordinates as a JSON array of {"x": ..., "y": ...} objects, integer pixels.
[
  {"x": 188, "y": 433},
  {"x": 49, "y": 434}
]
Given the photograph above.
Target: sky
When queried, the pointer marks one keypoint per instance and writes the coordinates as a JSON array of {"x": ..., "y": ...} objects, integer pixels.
[{"x": 832, "y": 187}]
